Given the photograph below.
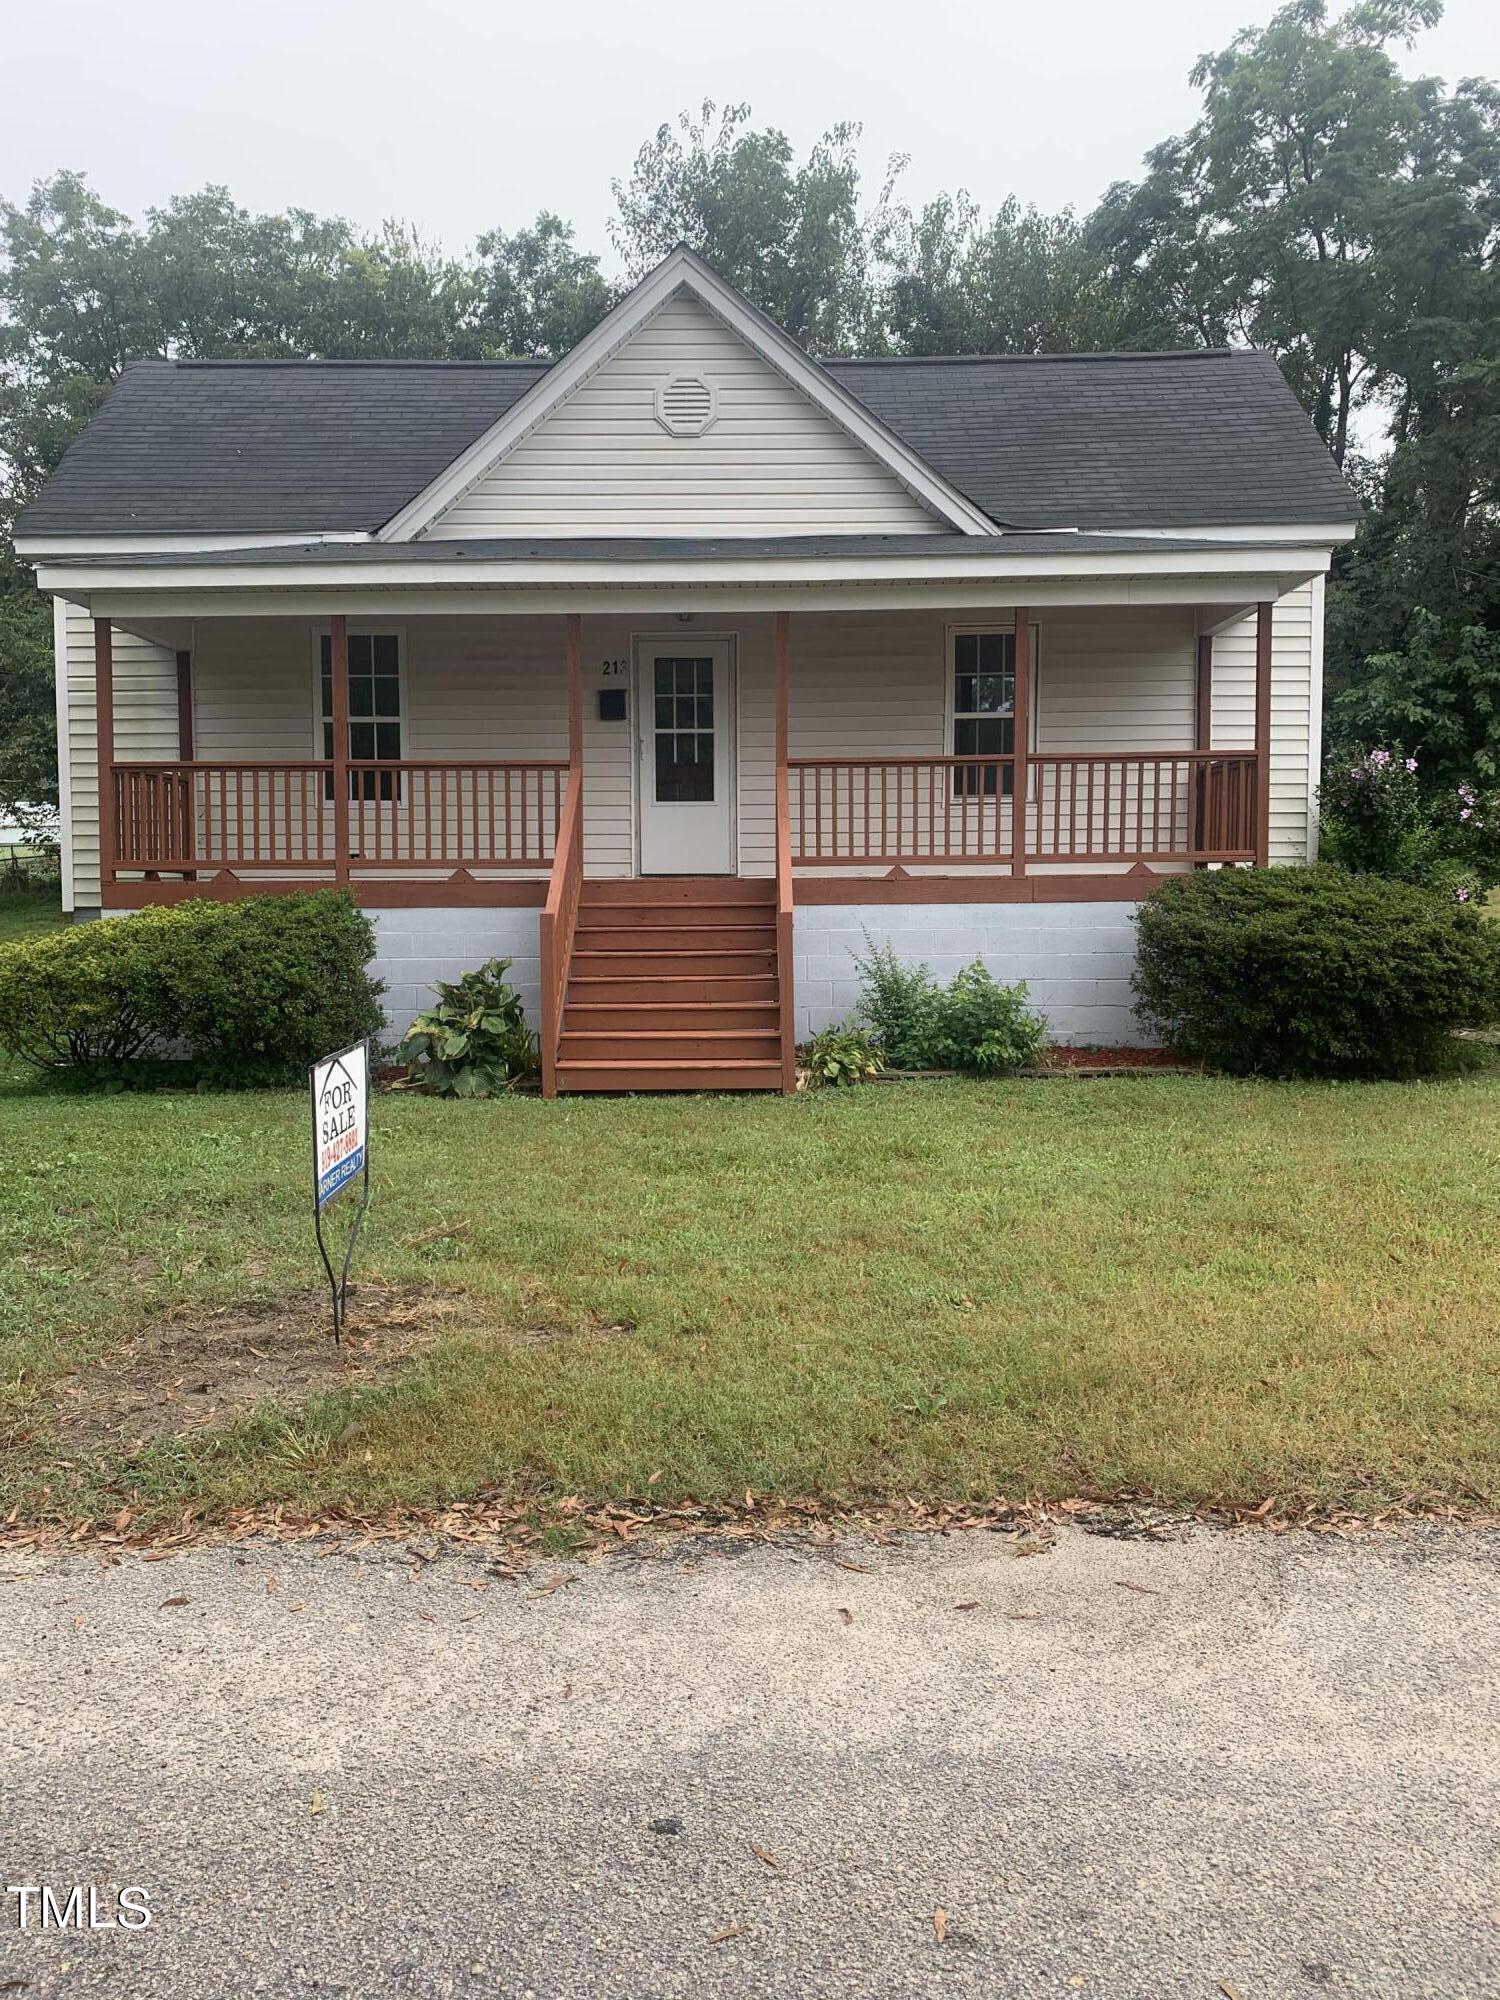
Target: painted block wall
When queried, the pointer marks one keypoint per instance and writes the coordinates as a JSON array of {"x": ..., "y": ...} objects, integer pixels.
[
  {"x": 414, "y": 947},
  {"x": 1076, "y": 958}
]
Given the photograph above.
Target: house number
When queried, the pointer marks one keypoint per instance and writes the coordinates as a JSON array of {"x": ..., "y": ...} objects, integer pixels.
[{"x": 611, "y": 667}]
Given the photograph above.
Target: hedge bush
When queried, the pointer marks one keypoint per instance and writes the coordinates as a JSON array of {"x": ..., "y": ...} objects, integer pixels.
[
  {"x": 240, "y": 993},
  {"x": 1312, "y": 972}
]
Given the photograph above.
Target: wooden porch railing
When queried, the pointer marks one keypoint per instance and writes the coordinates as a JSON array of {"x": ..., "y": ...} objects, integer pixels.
[
  {"x": 852, "y": 812},
  {"x": 558, "y": 921},
  {"x": 183, "y": 818}
]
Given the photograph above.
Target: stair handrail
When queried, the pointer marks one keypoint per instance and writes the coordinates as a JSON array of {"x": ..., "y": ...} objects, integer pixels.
[
  {"x": 559, "y": 920},
  {"x": 784, "y": 926}
]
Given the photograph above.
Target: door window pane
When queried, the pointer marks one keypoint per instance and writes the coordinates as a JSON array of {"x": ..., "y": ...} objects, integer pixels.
[{"x": 684, "y": 736}]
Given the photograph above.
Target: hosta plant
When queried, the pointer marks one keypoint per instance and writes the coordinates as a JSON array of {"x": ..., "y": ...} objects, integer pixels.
[
  {"x": 474, "y": 1042},
  {"x": 842, "y": 1054}
]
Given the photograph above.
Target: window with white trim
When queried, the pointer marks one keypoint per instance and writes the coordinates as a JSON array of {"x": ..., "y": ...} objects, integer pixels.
[
  {"x": 376, "y": 711},
  {"x": 984, "y": 710}
]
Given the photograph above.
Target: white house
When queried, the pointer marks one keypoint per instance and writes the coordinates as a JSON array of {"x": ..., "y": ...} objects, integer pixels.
[{"x": 672, "y": 670}]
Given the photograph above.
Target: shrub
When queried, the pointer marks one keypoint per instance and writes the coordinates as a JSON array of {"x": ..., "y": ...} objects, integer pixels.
[
  {"x": 842, "y": 1054},
  {"x": 474, "y": 1042},
  {"x": 983, "y": 1025},
  {"x": 75, "y": 1001},
  {"x": 237, "y": 993},
  {"x": 973, "y": 1023},
  {"x": 901, "y": 1004},
  {"x": 259, "y": 989},
  {"x": 1377, "y": 820},
  {"x": 1312, "y": 971}
]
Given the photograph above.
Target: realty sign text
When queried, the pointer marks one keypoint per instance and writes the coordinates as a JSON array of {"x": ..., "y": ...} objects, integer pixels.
[{"x": 340, "y": 1102}]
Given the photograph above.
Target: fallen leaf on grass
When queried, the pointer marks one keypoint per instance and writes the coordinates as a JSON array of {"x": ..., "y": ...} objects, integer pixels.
[
  {"x": 122, "y": 1520},
  {"x": 940, "y": 1923},
  {"x": 846, "y": 1614},
  {"x": 158, "y": 1555},
  {"x": 272, "y": 1586},
  {"x": 723, "y": 1937},
  {"x": 558, "y": 1582},
  {"x": 166, "y": 1601},
  {"x": 764, "y": 1854}
]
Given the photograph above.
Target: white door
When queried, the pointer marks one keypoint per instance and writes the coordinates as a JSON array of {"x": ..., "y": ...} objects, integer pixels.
[{"x": 685, "y": 744}]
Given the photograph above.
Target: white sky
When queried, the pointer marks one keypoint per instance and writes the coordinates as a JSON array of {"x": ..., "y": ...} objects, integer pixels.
[{"x": 468, "y": 114}]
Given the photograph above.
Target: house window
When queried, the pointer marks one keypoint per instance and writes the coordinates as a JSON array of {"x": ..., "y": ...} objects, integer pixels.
[
  {"x": 984, "y": 707},
  {"x": 375, "y": 717}
]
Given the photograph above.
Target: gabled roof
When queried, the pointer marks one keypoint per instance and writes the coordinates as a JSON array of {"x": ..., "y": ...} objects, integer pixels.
[
  {"x": 1209, "y": 438},
  {"x": 681, "y": 271}
]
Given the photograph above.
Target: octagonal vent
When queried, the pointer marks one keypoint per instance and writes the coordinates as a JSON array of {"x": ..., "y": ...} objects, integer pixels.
[{"x": 686, "y": 405}]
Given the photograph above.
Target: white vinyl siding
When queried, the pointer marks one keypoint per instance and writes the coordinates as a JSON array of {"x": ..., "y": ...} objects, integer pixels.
[
  {"x": 1296, "y": 711},
  {"x": 145, "y": 684},
  {"x": 770, "y": 464}
]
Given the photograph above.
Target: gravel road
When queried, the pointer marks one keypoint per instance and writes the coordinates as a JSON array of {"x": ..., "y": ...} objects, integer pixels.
[{"x": 1250, "y": 1765}]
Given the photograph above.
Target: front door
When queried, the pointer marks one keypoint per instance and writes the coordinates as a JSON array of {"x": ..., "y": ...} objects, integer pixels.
[{"x": 685, "y": 744}]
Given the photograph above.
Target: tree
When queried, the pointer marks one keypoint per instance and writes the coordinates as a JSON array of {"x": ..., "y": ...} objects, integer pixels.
[
  {"x": 537, "y": 295},
  {"x": 790, "y": 237},
  {"x": 1021, "y": 283}
]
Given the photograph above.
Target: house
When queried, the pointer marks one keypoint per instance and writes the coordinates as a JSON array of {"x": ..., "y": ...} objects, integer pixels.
[{"x": 675, "y": 669}]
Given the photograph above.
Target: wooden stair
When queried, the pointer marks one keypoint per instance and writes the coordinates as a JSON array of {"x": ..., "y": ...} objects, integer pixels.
[{"x": 674, "y": 984}]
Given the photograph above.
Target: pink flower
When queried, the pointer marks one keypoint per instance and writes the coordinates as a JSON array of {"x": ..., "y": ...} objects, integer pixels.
[{"x": 1411, "y": 763}]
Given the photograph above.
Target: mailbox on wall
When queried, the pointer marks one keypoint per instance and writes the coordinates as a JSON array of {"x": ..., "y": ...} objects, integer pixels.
[{"x": 612, "y": 704}]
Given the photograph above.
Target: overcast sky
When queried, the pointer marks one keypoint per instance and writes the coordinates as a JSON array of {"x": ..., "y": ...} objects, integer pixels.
[{"x": 466, "y": 114}]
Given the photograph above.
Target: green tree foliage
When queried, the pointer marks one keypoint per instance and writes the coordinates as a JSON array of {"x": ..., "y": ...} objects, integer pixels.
[
  {"x": 790, "y": 237},
  {"x": 537, "y": 295}
]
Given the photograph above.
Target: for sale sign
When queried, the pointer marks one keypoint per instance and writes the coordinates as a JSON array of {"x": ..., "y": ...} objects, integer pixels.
[{"x": 341, "y": 1120}]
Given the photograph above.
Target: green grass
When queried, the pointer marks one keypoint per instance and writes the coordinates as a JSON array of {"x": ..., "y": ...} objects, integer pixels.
[
  {"x": 1201, "y": 1289},
  {"x": 28, "y": 913}
]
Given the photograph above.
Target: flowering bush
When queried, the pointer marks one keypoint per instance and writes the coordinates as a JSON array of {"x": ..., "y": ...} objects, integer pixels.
[{"x": 1377, "y": 820}]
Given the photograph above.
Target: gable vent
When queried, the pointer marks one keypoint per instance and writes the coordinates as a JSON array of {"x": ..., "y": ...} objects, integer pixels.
[{"x": 686, "y": 405}]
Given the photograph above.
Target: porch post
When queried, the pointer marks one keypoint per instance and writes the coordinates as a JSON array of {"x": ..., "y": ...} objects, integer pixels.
[
  {"x": 104, "y": 738},
  {"x": 338, "y": 661},
  {"x": 575, "y": 691},
  {"x": 1263, "y": 733},
  {"x": 186, "y": 787},
  {"x": 1020, "y": 742},
  {"x": 1203, "y": 730}
]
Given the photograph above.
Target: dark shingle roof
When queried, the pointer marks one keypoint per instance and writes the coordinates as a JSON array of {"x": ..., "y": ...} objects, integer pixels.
[
  {"x": 1092, "y": 441},
  {"x": 224, "y": 447},
  {"x": 1209, "y": 438}
]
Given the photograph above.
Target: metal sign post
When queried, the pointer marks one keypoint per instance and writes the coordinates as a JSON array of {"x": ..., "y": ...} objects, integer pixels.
[{"x": 340, "y": 1087}]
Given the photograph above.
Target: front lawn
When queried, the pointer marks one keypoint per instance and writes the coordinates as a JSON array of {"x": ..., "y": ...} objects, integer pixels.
[{"x": 1193, "y": 1288}]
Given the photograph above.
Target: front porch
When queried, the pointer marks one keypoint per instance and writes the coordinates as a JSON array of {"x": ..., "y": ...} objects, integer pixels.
[{"x": 1067, "y": 755}]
